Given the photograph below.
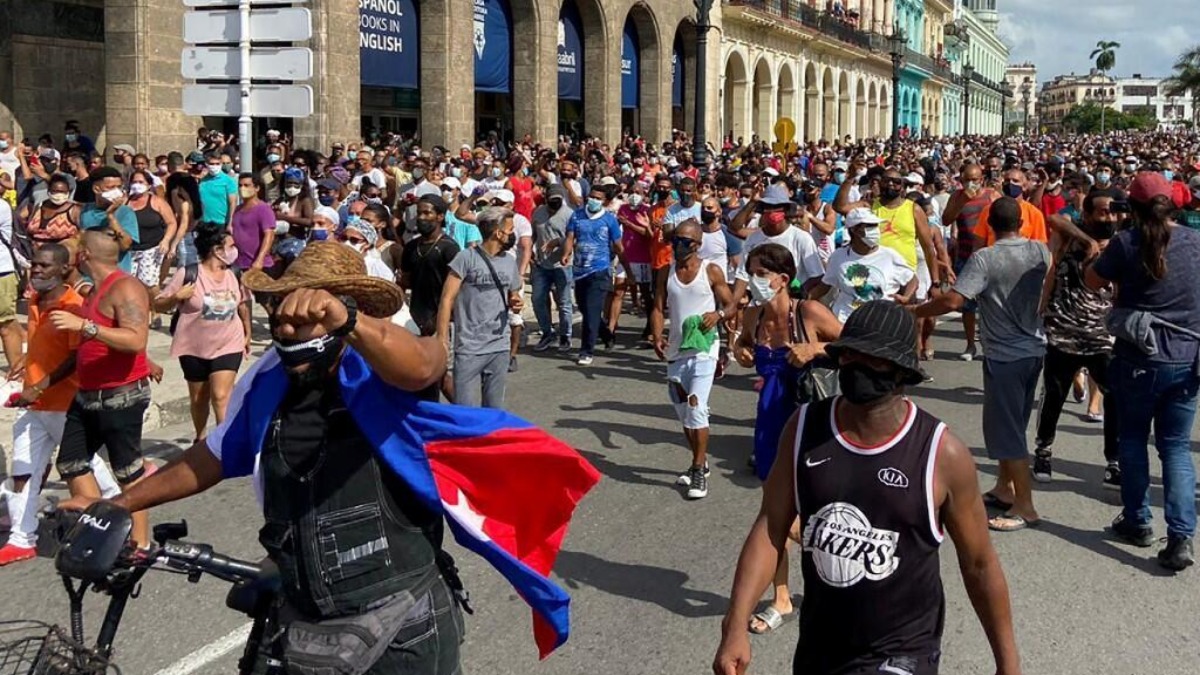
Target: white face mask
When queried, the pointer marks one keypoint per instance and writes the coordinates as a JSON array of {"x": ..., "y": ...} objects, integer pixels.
[
  {"x": 291, "y": 191},
  {"x": 635, "y": 200},
  {"x": 112, "y": 195},
  {"x": 58, "y": 198},
  {"x": 871, "y": 236},
  {"x": 136, "y": 189},
  {"x": 353, "y": 247},
  {"x": 214, "y": 169},
  {"x": 760, "y": 289}
]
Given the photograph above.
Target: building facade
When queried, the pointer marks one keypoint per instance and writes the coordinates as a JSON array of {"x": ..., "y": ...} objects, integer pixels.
[
  {"x": 985, "y": 57},
  {"x": 1146, "y": 95},
  {"x": 1021, "y": 113},
  {"x": 1062, "y": 93}
]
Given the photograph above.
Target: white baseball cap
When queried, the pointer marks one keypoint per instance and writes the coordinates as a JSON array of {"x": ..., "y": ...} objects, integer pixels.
[
  {"x": 451, "y": 182},
  {"x": 914, "y": 178},
  {"x": 505, "y": 196},
  {"x": 862, "y": 216}
]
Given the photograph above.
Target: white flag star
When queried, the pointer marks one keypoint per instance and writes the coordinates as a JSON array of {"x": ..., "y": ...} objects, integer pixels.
[{"x": 466, "y": 516}]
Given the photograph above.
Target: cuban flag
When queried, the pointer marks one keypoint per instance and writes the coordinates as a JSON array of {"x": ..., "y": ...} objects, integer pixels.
[{"x": 507, "y": 488}]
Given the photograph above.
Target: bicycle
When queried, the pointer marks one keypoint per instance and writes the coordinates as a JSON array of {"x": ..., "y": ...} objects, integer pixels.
[{"x": 96, "y": 553}]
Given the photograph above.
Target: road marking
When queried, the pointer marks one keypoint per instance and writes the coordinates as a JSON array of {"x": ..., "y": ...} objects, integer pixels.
[{"x": 211, "y": 652}]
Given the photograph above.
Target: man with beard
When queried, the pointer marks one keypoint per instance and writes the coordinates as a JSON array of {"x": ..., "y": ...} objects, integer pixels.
[
  {"x": 481, "y": 290},
  {"x": 879, "y": 483},
  {"x": 1076, "y": 334}
]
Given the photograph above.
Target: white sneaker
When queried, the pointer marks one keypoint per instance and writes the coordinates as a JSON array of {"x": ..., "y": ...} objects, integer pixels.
[
  {"x": 969, "y": 354},
  {"x": 699, "y": 486},
  {"x": 585, "y": 360},
  {"x": 685, "y": 478}
]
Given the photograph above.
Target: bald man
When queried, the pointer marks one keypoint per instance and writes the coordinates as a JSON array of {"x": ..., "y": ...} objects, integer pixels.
[
  {"x": 963, "y": 213},
  {"x": 113, "y": 373}
]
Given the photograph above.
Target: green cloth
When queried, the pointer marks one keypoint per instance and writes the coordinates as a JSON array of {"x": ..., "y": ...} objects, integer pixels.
[
  {"x": 694, "y": 335},
  {"x": 1190, "y": 219}
]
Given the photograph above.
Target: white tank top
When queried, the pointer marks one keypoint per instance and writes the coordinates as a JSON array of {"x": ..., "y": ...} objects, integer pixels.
[
  {"x": 684, "y": 300},
  {"x": 715, "y": 249}
]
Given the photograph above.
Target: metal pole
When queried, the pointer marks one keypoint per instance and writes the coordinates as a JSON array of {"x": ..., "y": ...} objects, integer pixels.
[
  {"x": 895, "y": 107},
  {"x": 966, "y": 105},
  {"x": 700, "y": 147},
  {"x": 245, "y": 122}
]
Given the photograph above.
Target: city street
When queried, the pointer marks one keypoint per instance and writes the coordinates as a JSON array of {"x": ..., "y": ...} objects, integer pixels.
[{"x": 649, "y": 572}]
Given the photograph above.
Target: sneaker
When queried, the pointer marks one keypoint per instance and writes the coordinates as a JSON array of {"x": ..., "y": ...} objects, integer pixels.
[
  {"x": 969, "y": 354},
  {"x": 13, "y": 554},
  {"x": 685, "y": 478},
  {"x": 1141, "y": 536},
  {"x": 607, "y": 337},
  {"x": 1095, "y": 418},
  {"x": 1042, "y": 472},
  {"x": 512, "y": 365},
  {"x": 545, "y": 343},
  {"x": 1177, "y": 555},
  {"x": 699, "y": 487},
  {"x": 564, "y": 345},
  {"x": 585, "y": 360},
  {"x": 1112, "y": 477}
]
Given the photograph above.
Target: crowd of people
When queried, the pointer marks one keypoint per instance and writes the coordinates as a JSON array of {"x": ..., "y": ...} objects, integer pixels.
[{"x": 1069, "y": 258}]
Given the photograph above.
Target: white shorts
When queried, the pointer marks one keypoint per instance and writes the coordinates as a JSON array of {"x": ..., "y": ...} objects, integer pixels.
[
  {"x": 694, "y": 375},
  {"x": 923, "y": 281}
]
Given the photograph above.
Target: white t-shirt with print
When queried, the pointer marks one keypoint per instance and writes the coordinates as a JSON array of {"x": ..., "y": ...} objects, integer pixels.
[
  {"x": 859, "y": 279},
  {"x": 800, "y": 243}
]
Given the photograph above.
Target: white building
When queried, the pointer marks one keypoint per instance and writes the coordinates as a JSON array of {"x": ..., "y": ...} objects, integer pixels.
[
  {"x": 1022, "y": 78},
  {"x": 1145, "y": 94}
]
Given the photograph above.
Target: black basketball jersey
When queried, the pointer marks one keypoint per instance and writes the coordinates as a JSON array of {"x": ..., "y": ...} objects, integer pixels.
[{"x": 870, "y": 533}]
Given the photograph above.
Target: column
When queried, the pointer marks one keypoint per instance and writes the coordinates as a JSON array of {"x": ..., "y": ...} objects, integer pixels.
[
  {"x": 535, "y": 70},
  {"x": 8, "y": 117},
  {"x": 336, "y": 81},
  {"x": 447, "y": 103},
  {"x": 142, "y": 52}
]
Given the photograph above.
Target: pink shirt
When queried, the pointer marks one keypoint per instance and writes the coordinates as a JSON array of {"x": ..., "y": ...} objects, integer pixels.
[
  {"x": 209, "y": 325},
  {"x": 637, "y": 247}
]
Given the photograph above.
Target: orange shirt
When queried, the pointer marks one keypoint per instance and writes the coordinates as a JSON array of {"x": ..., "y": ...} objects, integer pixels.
[
  {"x": 1033, "y": 223},
  {"x": 660, "y": 251},
  {"x": 48, "y": 348}
]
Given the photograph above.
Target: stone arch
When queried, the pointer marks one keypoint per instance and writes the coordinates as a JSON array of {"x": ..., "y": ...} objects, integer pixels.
[
  {"x": 812, "y": 102},
  {"x": 844, "y": 110},
  {"x": 684, "y": 47},
  {"x": 860, "y": 109},
  {"x": 785, "y": 92},
  {"x": 734, "y": 94},
  {"x": 644, "y": 118},
  {"x": 829, "y": 105},
  {"x": 764, "y": 98}
]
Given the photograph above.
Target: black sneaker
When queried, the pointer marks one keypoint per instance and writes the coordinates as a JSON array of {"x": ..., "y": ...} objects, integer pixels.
[
  {"x": 685, "y": 479},
  {"x": 545, "y": 343},
  {"x": 699, "y": 487},
  {"x": 1042, "y": 471},
  {"x": 1177, "y": 555},
  {"x": 1112, "y": 477},
  {"x": 564, "y": 345},
  {"x": 1141, "y": 536},
  {"x": 512, "y": 365},
  {"x": 607, "y": 337}
]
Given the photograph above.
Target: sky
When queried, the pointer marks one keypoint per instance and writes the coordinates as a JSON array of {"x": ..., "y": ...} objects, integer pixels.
[{"x": 1058, "y": 35}]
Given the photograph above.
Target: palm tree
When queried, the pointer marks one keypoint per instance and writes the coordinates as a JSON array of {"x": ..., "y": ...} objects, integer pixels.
[
  {"x": 1186, "y": 81},
  {"x": 1105, "y": 55}
]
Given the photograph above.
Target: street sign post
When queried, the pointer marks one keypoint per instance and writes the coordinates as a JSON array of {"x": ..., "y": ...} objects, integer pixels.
[
  {"x": 266, "y": 63},
  {"x": 224, "y": 32}
]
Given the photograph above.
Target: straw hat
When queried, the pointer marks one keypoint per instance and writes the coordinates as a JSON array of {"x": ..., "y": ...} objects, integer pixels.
[{"x": 332, "y": 267}]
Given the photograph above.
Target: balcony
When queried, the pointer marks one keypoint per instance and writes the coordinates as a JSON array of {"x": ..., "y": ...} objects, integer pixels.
[
  {"x": 841, "y": 29},
  {"x": 939, "y": 67}
]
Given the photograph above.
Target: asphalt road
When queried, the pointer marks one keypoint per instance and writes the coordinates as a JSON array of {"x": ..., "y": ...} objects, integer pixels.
[{"x": 649, "y": 572}]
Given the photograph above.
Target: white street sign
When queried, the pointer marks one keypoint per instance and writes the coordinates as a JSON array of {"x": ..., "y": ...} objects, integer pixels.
[
  {"x": 290, "y": 24},
  {"x": 266, "y": 100},
  {"x": 266, "y": 63},
  {"x": 233, "y": 3}
]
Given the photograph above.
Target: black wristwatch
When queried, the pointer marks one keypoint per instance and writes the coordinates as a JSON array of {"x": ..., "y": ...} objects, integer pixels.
[{"x": 351, "y": 318}]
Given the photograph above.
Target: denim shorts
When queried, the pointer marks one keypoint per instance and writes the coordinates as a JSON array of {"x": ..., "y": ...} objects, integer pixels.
[
  {"x": 694, "y": 376},
  {"x": 115, "y": 424}
]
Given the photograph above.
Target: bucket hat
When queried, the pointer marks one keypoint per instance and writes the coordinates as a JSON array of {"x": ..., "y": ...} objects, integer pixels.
[{"x": 884, "y": 330}]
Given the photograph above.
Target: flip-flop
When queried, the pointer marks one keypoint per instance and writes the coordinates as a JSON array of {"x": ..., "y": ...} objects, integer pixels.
[
  {"x": 771, "y": 618},
  {"x": 1011, "y": 523},
  {"x": 991, "y": 501}
]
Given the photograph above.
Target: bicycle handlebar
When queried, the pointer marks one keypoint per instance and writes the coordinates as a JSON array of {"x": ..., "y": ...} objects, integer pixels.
[{"x": 199, "y": 559}]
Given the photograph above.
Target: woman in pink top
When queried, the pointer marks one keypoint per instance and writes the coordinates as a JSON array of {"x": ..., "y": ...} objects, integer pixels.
[
  {"x": 213, "y": 332},
  {"x": 634, "y": 217}
]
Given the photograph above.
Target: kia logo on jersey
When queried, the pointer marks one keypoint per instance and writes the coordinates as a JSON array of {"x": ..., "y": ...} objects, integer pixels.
[{"x": 893, "y": 478}]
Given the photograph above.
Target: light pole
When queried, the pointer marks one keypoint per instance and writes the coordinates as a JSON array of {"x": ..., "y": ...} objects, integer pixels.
[
  {"x": 968, "y": 71},
  {"x": 700, "y": 146},
  {"x": 1006, "y": 91},
  {"x": 1025, "y": 91},
  {"x": 897, "y": 42}
]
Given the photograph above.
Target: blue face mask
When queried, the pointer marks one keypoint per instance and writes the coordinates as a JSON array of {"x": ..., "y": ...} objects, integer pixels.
[
  {"x": 839, "y": 177},
  {"x": 594, "y": 205},
  {"x": 352, "y": 154},
  {"x": 272, "y": 158},
  {"x": 1168, "y": 174},
  {"x": 326, "y": 200}
]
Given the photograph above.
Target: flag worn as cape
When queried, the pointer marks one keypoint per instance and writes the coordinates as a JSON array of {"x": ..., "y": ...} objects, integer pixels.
[{"x": 506, "y": 487}]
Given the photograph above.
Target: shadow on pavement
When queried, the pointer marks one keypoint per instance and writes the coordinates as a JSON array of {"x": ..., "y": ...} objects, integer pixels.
[
  {"x": 626, "y": 473},
  {"x": 663, "y": 587}
]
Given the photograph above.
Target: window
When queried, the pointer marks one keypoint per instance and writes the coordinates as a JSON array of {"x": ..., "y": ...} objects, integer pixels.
[{"x": 1140, "y": 90}]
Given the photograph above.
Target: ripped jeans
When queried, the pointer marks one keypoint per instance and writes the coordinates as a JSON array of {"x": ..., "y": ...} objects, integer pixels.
[{"x": 691, "y": 376}]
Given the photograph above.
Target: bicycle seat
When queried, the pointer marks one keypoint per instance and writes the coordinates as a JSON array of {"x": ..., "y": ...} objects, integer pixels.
[{"x": 246, "y": 596}]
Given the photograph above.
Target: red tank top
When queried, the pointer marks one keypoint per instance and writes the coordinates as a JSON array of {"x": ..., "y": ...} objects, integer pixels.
[{"x": 98, "y": 365}]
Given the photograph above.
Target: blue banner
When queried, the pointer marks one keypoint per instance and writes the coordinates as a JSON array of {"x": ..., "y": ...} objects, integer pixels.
[
  {"x": 493, "y": 47},
  {"x": 630, "y": 67},
  {"x": 570, "y": 52},
  {"x": 677, "y": 74},
  {"x": 387, "y": 43}
]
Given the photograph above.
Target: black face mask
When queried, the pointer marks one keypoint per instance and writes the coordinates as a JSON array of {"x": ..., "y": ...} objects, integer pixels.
[
  {"x": 707, "y": 217},
  {"x": 321, "y": 354},
  {"x": 554, "y": 204},
  {"x": 1100, "y": 231},
  {"x": 1013, "y": 190},
  {"x": 510, "y": 242},
  {"x": 889, "y": 194},
  {"x": 862, "y": 385},
  {"x": 426, "y": 227}
]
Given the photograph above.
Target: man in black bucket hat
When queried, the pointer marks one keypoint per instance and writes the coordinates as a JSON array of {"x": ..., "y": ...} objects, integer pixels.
[{"x": 879, "y": 483}]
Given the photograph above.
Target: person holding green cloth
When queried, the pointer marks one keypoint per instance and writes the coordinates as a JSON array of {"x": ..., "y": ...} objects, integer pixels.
[{"x": 698, "y": 297}]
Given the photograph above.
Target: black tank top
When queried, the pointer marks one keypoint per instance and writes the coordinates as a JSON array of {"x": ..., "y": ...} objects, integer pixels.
[
  {"x": 152, "y": 227},
  {"x": 872, "y": 584}
]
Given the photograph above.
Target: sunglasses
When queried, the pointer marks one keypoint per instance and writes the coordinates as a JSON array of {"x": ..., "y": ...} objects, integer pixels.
[
  {"x": 682, "y": 241},
  {"x": 354, "y": 240}
]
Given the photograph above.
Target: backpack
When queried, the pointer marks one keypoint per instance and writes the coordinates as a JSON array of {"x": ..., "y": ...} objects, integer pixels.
[{"x": 190, "y": 272}]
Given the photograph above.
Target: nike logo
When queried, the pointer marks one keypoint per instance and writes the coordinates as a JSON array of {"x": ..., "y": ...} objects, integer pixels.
[{"x": 809, "y": 463}]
